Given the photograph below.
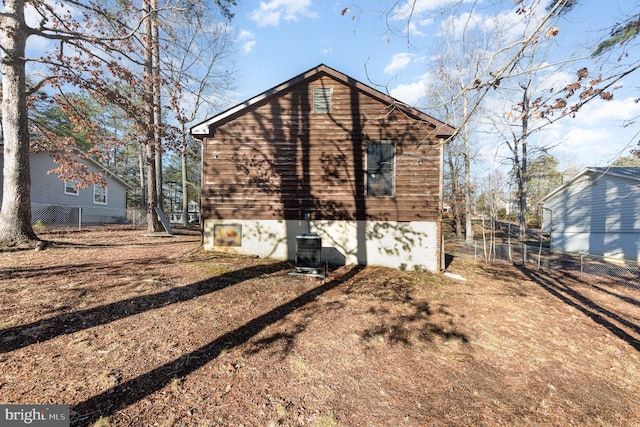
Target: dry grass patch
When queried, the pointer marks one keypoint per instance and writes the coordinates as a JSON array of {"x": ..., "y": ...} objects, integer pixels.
[{"x": 130, "y": 330}]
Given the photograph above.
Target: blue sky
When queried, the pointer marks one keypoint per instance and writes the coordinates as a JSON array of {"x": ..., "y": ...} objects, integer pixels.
[{"x": 278, "y": 39}]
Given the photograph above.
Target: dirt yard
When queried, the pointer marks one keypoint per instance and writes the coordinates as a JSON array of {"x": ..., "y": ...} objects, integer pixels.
[{"x": 151, "y": 331}]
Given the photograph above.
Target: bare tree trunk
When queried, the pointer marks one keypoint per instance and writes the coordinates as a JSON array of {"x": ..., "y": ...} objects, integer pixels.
[
  {"x": 522, "y": 182},
  {"x": 185, "y": 189},
  {"x": 141, "y": 162},
  {"x": 158, "y": 169},
  {"x": 185, "y": 182},
  {"x": 523, "y": 173},
  {"x": 468, "y": 228},
  {"x": 157, "y": 114},
  {"x": 15, "y": 216},
  {"x": 455, "y": 191},
  {"x": 153, "y": 223}
]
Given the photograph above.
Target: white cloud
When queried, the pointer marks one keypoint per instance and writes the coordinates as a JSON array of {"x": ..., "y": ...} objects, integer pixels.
[
  {"x": 415, "y": 8},
  {"x": 415, "y": 15},
  {"x": 270, "y": 13},
  {"x": 265, "y": 17},
  {"x": 412, "y": 29},
  {"x": 616, "y": 110},
  {"x": 247, "y": 40},
  {"x": 584, "y": 147},
  {"x": 600, "y": 133},
  {"x": 399, "y": 62},
  {"x": 248, "y": 46},
  {"x": 457, "y": 25},
  {"x": 411, "y": 93},
  {"x": 513, "y": 26},
  {"x": 510, "y": 26}
]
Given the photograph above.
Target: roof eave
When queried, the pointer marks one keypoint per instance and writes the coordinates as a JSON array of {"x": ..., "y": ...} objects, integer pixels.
[
  {"x": 585, "y": 171},
  {"x": 106, "y": 171}
]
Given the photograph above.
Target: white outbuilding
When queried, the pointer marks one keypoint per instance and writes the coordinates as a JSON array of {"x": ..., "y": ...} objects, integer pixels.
[{"x": 596, "y": 212}]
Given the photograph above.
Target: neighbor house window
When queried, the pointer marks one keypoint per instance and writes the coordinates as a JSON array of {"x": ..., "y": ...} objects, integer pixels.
[
  {"x": 380, "y": 168},
  {"x": 69, "y": 188},
  {"x": 99, "y": 194},
  {"x": 322, "y": 99}
]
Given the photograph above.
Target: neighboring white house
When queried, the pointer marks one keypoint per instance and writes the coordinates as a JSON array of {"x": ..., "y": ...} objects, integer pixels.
[
  {"x": 56, "y": 201},
  {"x": 596, "y": 212},
  {"x": 193, "y": 214}
]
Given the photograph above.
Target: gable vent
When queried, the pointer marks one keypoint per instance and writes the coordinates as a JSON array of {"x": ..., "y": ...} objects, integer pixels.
[{"x": 322, "y": 99}]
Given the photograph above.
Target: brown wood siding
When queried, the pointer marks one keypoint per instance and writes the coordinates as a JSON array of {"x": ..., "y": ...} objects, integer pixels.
[{"x": 279, "y": 160}]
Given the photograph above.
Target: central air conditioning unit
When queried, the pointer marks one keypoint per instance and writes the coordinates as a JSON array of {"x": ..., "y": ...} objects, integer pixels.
[{"x": 309, "y": 255}]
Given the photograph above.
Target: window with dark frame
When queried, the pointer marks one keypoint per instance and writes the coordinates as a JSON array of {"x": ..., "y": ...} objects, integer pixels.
[
  {"x": 322, "y": 99},
  {"x": 381, "y": 168}
]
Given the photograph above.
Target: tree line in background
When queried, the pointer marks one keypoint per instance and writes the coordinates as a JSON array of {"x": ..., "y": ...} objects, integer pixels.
[
  {"x": 505, "y": 98},
  {"x": 119, "y": 81}
]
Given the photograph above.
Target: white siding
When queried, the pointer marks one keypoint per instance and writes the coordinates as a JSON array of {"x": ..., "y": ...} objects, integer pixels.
[
  {"x": 596, "y": 214},
  {"x": 48, "y": 189}
]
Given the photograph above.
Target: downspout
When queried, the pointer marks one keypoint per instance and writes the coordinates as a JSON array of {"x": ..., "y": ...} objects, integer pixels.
[
  {"x": 201, "y": 219},
  {"x": 202, "y": 139},
  {"x": 550, "y": 225},
  {"x": 443, "y": 262}
]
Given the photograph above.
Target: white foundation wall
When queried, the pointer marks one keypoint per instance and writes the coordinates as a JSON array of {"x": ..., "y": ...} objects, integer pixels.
[{"x": 402, "y": 245}]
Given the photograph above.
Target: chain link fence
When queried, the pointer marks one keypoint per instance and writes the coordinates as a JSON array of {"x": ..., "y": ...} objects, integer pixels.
[
  {"x": 44, "y": 215},
  {"x": 137, "y": 216},
  {"x": 624, "y": 272}
]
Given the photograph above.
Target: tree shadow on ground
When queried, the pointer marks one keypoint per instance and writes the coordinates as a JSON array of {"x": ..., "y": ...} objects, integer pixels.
[
  {"x": 129, "y": 392},
  {"x": 391, "y": 311},
  {"x": 43, "y": 272},
  {"x": 51, "y": 240},
  {"x": 563, "y": 290},
  {"x": 400, "y": 314},
  {"x": 149, "y": 240},
  {"x": 299, "y": 325},
  {"x": 17, "y": 337},
  {"x": 624, "y": 298}
]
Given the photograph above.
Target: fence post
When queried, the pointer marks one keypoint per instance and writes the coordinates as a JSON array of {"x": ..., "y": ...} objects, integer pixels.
[
  {"x": 581, "y": 264},
  {"x": 80, "y": 218},
  {"x": 540, "y": 251}
]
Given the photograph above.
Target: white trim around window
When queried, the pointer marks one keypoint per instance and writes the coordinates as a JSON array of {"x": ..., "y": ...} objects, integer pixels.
[
  {"x": 69, "y": 188},
  {"x": 99, "y": 194}
]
